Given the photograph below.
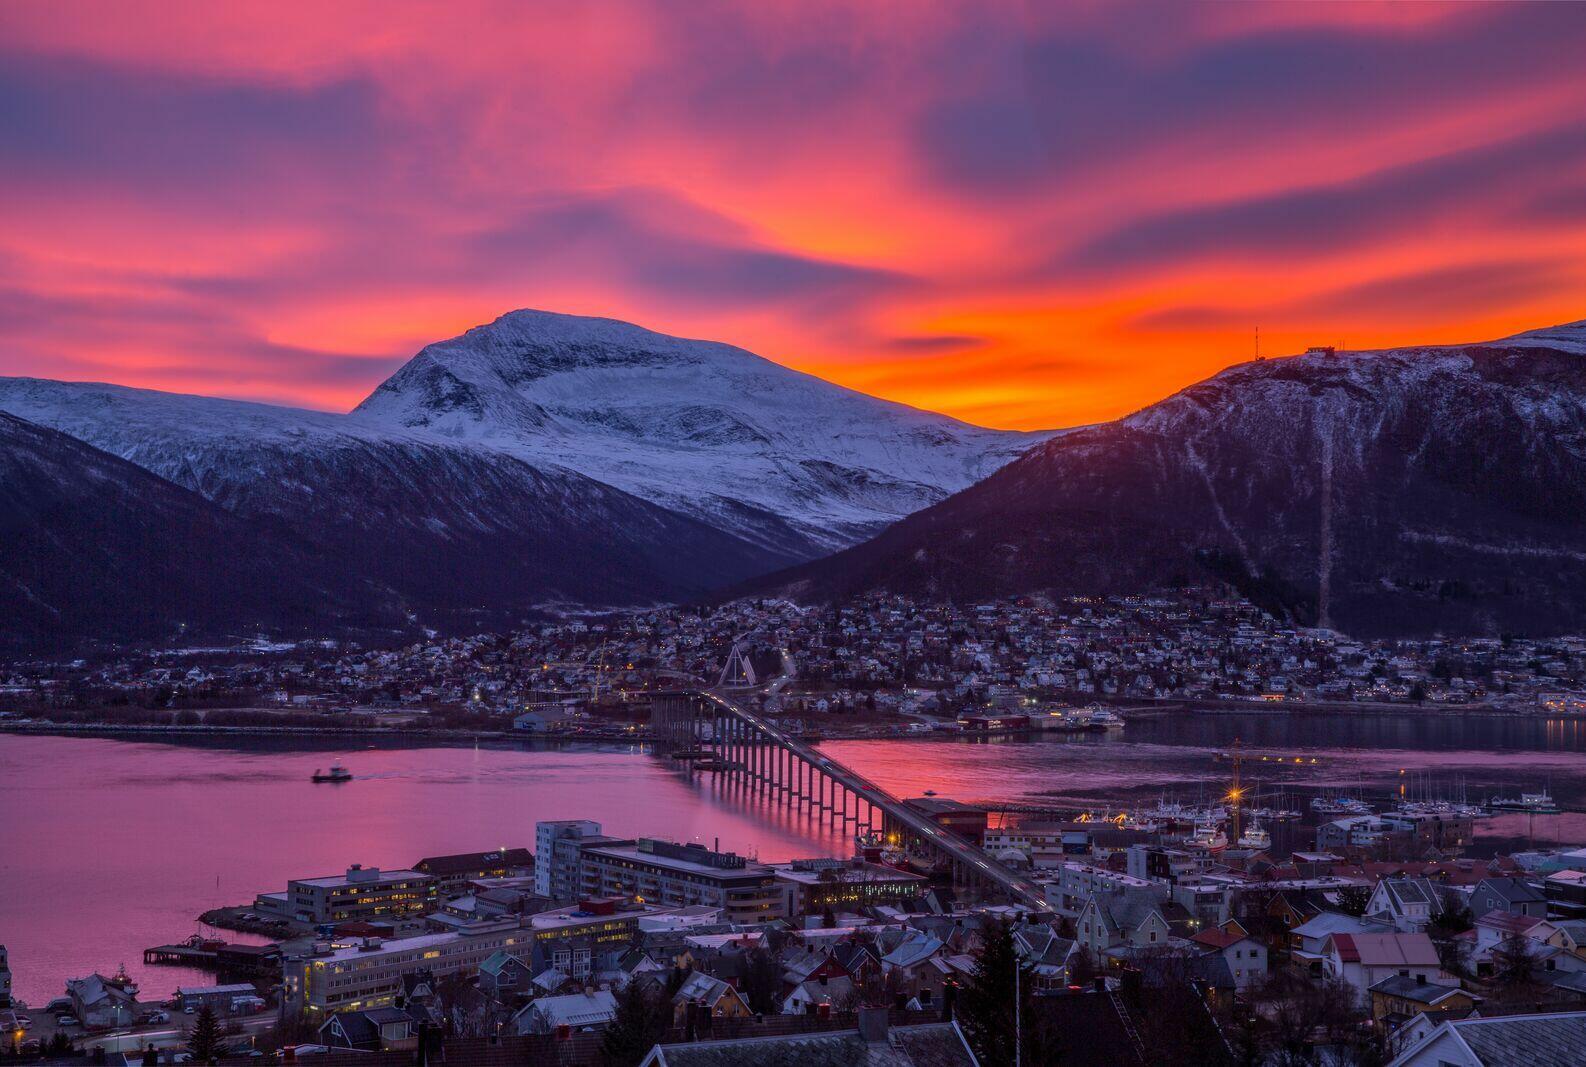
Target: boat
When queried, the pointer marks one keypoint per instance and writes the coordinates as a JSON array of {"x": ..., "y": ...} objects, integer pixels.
[
  {"x": 337, "y": 773},
  {"x": 1099, "y": 717},
  {"x": 1256, "y": 838},
  {"x": 1209, "y": 836},
  {"x": 1339, "y": 806},
  {"x": 1531, "y": 803}
]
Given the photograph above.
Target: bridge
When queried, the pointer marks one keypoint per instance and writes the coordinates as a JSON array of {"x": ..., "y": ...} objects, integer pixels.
[{"x": 748, "y": 749}]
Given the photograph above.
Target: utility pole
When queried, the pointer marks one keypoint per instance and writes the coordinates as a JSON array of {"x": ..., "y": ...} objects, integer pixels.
[{"x": 1018, "y": 1044}]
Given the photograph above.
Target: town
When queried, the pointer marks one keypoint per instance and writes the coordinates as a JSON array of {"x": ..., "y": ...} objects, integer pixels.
[
  {"x": 1105, "y": 942},
  {"x": 877, "y": 666}
]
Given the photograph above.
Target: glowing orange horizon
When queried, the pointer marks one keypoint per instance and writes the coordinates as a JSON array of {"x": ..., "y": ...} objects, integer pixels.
[{"x": 1023, "y": 220}]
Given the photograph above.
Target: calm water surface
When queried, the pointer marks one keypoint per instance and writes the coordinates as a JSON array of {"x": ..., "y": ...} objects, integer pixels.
[{"x": 111, "y": 846}]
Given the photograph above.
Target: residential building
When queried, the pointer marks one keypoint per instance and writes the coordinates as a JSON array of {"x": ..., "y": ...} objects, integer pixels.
[
  {"x": 705, "y": 996},
  {"x": 1504, "y": 1041},
  {"x": 362, "y": 894},
  {"x": 927, "y": 1045},
  {"x": 1397, "y": 999},
  {"x": 1363, "y": 960},
  {"x": 5, "y": 979},
  {"x": 100, "y": 1003},
  {"x": 1246, "y": 956},
  {"x": 676, "y": 875},
  {"x": 590, "y": 1010},
  {"x": 370, "y": 1030},
  {"x": 1514, "y": 895}
]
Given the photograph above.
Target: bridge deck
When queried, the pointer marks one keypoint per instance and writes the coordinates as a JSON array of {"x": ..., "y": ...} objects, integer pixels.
[{"x": 970, "y": 855}]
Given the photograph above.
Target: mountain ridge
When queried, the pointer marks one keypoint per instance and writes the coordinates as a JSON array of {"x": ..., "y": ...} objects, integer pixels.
[{"x": 1393, "y": 491}]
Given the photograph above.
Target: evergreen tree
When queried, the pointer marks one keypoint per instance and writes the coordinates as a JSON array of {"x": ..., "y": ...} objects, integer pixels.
[
  {"x": 636, "y": 1028},
  {"x": 203, "y": 1039},
  {"x": 762, "y": 982},
  {"x": 985, "y": 1005}
]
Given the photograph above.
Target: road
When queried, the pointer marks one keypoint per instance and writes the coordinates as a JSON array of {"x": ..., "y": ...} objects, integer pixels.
[{"x": 1012, "y": 883}]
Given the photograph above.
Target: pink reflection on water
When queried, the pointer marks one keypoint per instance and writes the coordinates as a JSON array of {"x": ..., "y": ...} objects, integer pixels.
[{"x": 116, "y": 846}]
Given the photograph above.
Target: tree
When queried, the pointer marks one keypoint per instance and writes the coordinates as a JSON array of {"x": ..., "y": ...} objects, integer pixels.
[
  {"x": 1513, "y": 963},
  {"x": 1453, "y": 951},
  {"x": 1352, "y": 899},
  {"x": 762, "y": 981},
  {"x": 203, "y": 1037},
  {"x": 638, "y": 1026},
  {"x": 1303, "y": 1018},
  {"x": 985, "y": 1006}
]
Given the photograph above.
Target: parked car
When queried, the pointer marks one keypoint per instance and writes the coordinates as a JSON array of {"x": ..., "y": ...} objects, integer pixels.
[{"x": 65, "y": 1020}]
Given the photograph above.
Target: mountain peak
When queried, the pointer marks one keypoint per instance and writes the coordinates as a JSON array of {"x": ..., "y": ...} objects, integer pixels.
[{"x": 728, "y": 437}]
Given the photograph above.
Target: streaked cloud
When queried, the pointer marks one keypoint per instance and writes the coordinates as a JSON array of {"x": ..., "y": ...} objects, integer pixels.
[{"x": 1022, "y": 215}]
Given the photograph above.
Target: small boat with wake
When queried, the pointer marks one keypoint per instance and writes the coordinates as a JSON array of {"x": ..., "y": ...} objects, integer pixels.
[{"x": 337, "y": 773}]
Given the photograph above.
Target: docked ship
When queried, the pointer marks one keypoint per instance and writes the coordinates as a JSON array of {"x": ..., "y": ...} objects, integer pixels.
[
  {"x": 1530, "y": 803},
  {"x": 1255, "y": 838},
  {"x": 337, "y": 773},
  {"x": 1209, "y": 836}
]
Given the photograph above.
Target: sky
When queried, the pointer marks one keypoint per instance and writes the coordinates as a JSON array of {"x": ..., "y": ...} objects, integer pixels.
[{"x": 1021, "y": 215}]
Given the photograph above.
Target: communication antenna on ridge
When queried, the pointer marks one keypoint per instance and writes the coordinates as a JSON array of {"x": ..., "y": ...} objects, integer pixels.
[{"x": 1258, "y": 342}]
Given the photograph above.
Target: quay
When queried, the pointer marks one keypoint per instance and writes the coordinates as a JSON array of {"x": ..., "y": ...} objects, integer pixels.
[{"x": 217, "y": 956}]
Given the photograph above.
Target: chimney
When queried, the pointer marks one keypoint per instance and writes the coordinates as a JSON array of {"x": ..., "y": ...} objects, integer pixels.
[{"x": 873, "y": 1025}]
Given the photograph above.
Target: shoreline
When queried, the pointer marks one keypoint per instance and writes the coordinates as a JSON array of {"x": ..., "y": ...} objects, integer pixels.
[{"x": 460, "y": 736}]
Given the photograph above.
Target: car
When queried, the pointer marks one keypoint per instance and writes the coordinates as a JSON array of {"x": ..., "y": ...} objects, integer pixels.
[
  {"x": 65, "y": 1020},
  {"x": 188, "y": 1010}
]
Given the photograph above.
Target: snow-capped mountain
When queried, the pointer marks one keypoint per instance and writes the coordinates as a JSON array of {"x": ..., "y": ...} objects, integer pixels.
[
  {"x": 1398, "y": 491},
  {"x": 446, "y": 527},
  {"x": 782, "y": 459}
]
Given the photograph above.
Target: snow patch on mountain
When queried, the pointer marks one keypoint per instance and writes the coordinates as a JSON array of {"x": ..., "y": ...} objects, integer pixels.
[{"x": 713, "y": 431}]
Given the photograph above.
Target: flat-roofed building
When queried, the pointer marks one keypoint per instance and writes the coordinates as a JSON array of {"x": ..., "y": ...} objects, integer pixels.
[
  {"x": 677, "y": 875},
  {"x": 362, "y": 894},
  {"x": 453, "y": 873},
  {"x": 818, "y": 885},
  {"x": 369, "y": 973}
]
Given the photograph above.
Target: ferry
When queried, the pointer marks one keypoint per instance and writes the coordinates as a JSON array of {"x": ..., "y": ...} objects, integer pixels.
[
  {"x": 337, "y": 773},
  {"x": 1097, "y": 717},
  {"x": 1531, "y": 803}
]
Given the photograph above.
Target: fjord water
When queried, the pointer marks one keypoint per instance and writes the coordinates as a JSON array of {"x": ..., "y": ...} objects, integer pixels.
[{"x": 111, "y": 846}]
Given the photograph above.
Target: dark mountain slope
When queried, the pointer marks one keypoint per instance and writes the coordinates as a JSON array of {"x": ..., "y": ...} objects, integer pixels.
[
  {"x": 1405, "y": 491},
  {"x": 91, "y": 545}
]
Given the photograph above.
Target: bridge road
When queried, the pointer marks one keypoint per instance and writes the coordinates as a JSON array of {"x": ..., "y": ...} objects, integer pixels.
[{"x": 969, "y": 855}]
